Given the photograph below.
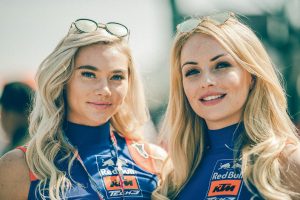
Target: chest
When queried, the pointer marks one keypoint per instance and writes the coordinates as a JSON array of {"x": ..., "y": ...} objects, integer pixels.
[
  {"x": 218, "y": 177},
  {"x": 100, "y": 166}
]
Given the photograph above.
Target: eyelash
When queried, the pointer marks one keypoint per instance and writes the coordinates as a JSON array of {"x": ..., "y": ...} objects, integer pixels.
[
  {"x": 191, "y": 72},
  {"x": 221, "y": 65},
  {"x": 88, "y": 74},
  {"x": 116, "y": 77}
]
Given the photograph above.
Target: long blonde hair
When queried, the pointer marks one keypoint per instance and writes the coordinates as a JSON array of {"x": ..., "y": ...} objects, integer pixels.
[
  {"x": 268, "y": 127},
  {"x": 49, "y": 111}
]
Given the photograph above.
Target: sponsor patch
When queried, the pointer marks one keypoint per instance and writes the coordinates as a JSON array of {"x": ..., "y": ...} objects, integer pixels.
[
  {"x": 110, "y": 177},
  {"x": 226, "y": 180},
  {"x": 224, "y": 187},
  {"x": 113, "y": 183}
]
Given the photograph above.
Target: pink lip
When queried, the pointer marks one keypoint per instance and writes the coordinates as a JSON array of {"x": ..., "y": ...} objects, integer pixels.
[
  {"x": 213, "y": 101},
  {"x": 100, "y": 105}
]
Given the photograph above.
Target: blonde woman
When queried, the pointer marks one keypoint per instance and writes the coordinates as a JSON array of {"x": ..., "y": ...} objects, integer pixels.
[
  {"x": 230, "y": 136},
  {"x": 85, "y": 124}
]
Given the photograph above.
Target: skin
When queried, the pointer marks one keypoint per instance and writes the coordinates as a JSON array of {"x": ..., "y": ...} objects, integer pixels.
[
  {"x": 95, "y": 92},
  {"x": 14, "y": 176},
  {"x": 214, "y": 84},
  {"x": 208, "y": 71},
  {"x": 290, "y": 160},
  {"x": 98, "y": 86}
]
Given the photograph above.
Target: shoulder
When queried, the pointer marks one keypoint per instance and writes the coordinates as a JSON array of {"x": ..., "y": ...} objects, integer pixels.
[
  {"x": 292, "y": 155},
  {"x": 147, "y": 149},
  {"x": 291, "y": 166},
  {"x": 148, "y": 155},
  {"x": 159, "y": 155},
  {"x": 14, "y": 176},
  {"x": 157, "y": 152}
]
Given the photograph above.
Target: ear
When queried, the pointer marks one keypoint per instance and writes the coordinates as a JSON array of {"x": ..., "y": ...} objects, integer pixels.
[{"x": 253, "y": 81}]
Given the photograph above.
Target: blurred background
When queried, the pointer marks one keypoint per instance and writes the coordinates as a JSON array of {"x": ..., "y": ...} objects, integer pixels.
[{"x": 31, "y": 29}]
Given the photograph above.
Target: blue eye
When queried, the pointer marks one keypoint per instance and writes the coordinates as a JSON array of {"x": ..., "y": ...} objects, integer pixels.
[
  {"x": 191, "y": 72},
  {"x": 222, "y": 65},
  {"x": 88, "y": 74},
  {"x": 117, "y": 77}
]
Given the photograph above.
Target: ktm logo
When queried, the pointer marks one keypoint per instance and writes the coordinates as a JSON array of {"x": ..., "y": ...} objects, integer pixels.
[
  {"x": 113, "y": 183},
  {"x": 116, "y": 183},
  {"x": 224, "y": 187}
]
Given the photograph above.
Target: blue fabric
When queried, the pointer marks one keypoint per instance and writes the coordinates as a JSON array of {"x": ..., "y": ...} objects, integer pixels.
[
  {"x": 218, "y": 177},
  {"x": 96, "y": 150}
]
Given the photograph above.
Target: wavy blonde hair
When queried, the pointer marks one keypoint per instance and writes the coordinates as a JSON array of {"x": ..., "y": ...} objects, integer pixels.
[
  {"x": 49, "y": 111},
  {"x": 268, "y": 127}
]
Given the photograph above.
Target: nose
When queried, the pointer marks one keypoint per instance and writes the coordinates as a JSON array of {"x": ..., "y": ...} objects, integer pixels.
[
  {"x": 102, "y": 88},
  {"x": 207, "y": 80}
]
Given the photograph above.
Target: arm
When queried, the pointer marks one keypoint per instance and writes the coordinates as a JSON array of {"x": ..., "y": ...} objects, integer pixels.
[
  {"x": 14, "y": 176},
  {"x": 159, "y": 155},
  {"x": 291, "y": 168}
]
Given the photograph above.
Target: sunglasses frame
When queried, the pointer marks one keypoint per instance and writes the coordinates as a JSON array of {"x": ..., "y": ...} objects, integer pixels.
[
  {"x": 191, "y": 23},
  {"x": 103, "y": 26}
]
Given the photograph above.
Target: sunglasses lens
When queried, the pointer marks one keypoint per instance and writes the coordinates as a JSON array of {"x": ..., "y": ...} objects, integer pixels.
[
  {"x": 219, "y": 18},
  {"x": 117, "y": 29},
  {"x": 187, "y": 25},
  {"x": 190, "y": 24},
  {"x": 85, "y": 25}
]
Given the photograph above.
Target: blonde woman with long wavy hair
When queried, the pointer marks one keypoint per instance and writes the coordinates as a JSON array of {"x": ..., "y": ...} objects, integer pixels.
[
  {"x": 86, "y": 124},
  {"x": 228, "y": 131}
]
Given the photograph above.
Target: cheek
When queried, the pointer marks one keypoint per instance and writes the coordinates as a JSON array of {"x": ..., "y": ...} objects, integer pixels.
[
  {"x": 240, "y": 85},
  {"x": 189, "y": 90},
  {"x": 121, "y": 92},
  {"x": 236, "y": 80},
  {"x": 70, "y": 94},
  {"x": 74, "y": 94}
]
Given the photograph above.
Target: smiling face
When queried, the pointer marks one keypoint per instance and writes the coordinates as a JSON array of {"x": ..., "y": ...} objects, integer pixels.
[
  {"x": 98, "y": 85},
  {"x": 214, "y": 84}
]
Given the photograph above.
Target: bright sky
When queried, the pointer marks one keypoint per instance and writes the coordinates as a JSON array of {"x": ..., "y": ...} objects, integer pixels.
[{"x": 31, "y": 29}]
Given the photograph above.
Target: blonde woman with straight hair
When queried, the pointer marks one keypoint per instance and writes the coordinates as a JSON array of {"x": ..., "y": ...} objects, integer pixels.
[
  {"x": 86, "y": 124},
  {"x": 228, "y": 131}
]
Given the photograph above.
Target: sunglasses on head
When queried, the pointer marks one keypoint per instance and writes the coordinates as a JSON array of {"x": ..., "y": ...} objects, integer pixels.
[
  {"x": 88, "y": 25},
  {"x": 190, "y": 24}
]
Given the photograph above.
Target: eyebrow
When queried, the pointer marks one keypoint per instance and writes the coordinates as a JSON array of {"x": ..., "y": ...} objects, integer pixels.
[
  {"x": 211, "y": 60},
  {"x": 93, "y": 68},
  {"x": 216, "y": 57},
  {"x": 189, "y": 63},
  {"x": 89, "y": 67},
  {"x": 120, "y": 71}
]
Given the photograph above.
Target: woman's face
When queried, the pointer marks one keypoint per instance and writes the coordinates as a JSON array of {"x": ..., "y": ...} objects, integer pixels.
[
  {"x": 98, "y": 86},
  {"x": 214, "y": 84}
]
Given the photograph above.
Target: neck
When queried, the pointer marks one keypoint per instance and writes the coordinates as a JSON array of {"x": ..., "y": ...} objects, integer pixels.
[
  {"x": 225, "y": 136},
  {"x": 82, "y": 136}
]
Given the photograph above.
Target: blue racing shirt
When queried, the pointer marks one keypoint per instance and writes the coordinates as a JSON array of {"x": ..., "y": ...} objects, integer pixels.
[
  {"x": 97, "y": 153},
  {"x": 218, "y": 176}
]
